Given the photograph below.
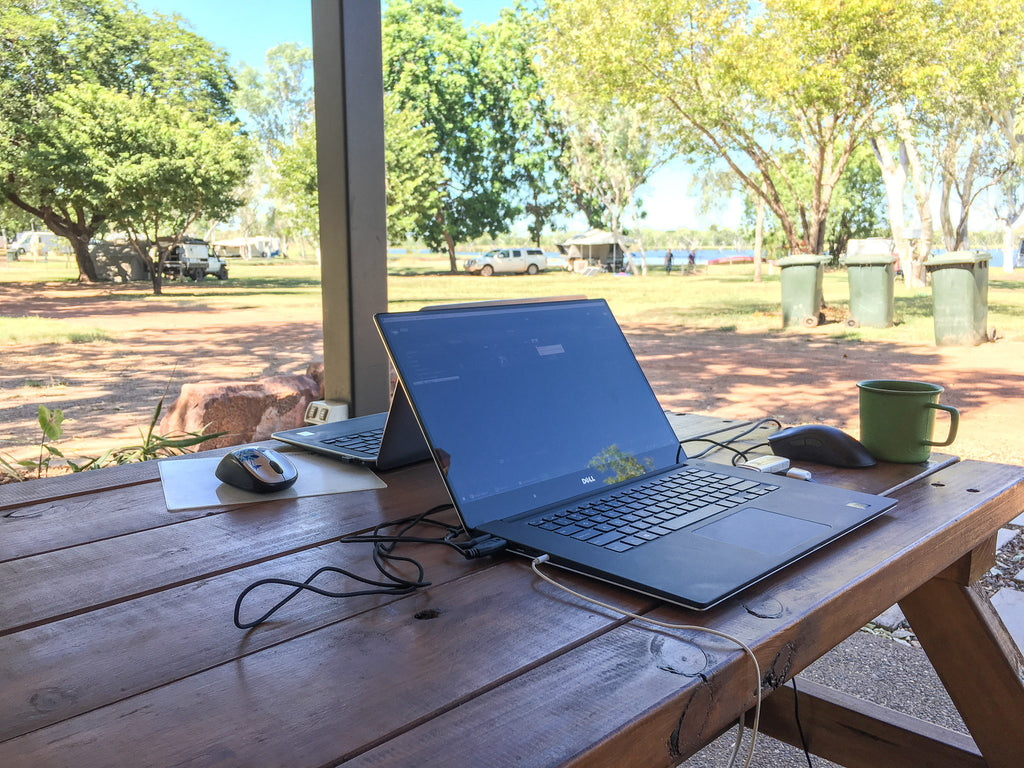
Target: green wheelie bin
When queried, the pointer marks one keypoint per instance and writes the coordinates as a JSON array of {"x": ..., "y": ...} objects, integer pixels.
[
  {"x": 959, "y": 296},
  {"x": 801, "y": 275},
  {"x": 872, "y": 277}
]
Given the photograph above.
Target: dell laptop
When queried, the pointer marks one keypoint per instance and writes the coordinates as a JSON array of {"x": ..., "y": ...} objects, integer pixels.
[
  {"x": 549, "y": 437},
  {"x": 381, "y": 440}
]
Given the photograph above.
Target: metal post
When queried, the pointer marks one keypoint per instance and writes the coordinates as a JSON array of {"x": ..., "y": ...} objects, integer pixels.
[{"x": 348, "y": 86}]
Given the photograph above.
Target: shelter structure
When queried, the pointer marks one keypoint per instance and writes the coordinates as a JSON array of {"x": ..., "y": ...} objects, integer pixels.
[
  {"x": 249, "y": 247},
  {"x": 595, "y": 248}
]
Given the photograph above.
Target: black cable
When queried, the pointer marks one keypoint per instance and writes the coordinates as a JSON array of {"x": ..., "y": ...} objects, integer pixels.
[
  {"x": 384, "y": 560},
  {"x": 799, "y": 726},
  {"x": 727, "y": 444}
]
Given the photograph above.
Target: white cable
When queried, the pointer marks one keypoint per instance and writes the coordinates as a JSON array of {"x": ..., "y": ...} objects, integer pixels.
[{"x": 538, "y": 561}]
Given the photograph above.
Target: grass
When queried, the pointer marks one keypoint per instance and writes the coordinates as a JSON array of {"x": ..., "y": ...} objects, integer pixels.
[
  {"x": 41, "y": 330},
  {"x": 725, "y": 297}
]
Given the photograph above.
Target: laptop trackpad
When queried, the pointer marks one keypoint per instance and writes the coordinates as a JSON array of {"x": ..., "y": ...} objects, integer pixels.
[{"x": 761, "y": 531}]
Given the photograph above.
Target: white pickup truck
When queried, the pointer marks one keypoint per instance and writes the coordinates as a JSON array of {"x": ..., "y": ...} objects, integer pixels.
[{"x": 508, "y": 260}]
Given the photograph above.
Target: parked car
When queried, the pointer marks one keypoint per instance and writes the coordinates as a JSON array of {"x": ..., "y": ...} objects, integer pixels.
[{"x": 508, "y": 260}]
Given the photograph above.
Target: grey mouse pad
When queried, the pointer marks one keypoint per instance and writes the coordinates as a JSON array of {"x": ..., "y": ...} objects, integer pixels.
[{"x": 191, "y": 483}]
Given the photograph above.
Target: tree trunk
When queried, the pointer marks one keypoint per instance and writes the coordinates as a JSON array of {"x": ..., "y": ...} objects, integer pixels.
[
  {"x": 894, "y": 176},
  {"x": 1009, "y": 247},
  {"x": 450, "y": 244},
  {"x": 86, "y": 266},
  {"x": 758, "y": 237}
]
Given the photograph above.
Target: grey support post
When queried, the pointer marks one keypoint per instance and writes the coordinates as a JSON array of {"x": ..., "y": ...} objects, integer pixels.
[{"x": 348, "y": 84}]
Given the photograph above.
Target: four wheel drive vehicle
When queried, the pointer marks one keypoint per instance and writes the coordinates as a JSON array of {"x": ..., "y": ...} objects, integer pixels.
[
  {"x": 193, "y": 258},
  {"x": 508, "y": 260}
]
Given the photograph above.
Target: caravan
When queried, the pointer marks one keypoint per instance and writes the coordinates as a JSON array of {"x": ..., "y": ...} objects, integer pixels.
[{"x": 38, "y": 242}]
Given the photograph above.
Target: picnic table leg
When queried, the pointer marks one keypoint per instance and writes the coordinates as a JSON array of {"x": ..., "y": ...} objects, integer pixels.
[{"x": 974, "y": 655}]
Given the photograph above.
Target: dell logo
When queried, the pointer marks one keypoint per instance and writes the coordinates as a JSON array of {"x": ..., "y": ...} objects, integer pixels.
[{"x": 589, "y": 479}]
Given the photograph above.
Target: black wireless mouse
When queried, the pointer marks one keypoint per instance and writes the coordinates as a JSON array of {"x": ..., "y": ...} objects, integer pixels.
[
  {"x": 821, "y": 444},
  {"x": 259, "y": 469}
]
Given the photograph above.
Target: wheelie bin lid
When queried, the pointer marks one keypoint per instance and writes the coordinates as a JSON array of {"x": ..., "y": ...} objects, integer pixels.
[
  {"x": 801, "y": 260},
  {"x": 968, "y": 258},
  {"x": 865, "y": 259}
]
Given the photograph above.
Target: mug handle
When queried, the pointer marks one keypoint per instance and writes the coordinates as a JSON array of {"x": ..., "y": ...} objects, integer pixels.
[{"x": 954, "y": 422}]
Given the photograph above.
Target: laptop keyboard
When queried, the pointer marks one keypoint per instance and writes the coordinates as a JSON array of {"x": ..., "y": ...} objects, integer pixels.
[
  {"x": 365, "y": 442},
  {"x": 637, "y": 515}
]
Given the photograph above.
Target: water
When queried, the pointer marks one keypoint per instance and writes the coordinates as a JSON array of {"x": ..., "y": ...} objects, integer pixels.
[{"x": 656, "y": 257}]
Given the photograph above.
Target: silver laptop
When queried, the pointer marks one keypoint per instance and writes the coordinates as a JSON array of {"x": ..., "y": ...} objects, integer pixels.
[
  {"x": 380, "y": 440},
  {"x": 549, "y": 437}
]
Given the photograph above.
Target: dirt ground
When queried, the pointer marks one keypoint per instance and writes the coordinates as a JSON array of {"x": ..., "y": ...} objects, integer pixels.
[{"x": 108, "y": 390}]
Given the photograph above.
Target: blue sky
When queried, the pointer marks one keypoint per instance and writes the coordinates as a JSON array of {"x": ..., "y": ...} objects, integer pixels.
[{"x": 246, "y": 29}]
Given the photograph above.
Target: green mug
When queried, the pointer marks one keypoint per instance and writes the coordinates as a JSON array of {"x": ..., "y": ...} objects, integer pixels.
[{"x": 897, "y": 419}]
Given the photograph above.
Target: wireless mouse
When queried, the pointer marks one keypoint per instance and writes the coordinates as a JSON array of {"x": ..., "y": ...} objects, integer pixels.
[
  {"x": 821, "y": 444},
  {"x": 254, "y": 468}
]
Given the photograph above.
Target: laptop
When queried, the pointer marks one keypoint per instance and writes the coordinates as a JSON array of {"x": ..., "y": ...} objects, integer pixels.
[
  {"x": 549, "y": 437},
  {"x": 386, "y": 440},
  {"x": 381, "y": 440}
]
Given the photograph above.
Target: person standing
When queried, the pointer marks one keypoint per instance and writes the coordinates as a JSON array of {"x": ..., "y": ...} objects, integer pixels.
[{"x": 668, "y": 262}]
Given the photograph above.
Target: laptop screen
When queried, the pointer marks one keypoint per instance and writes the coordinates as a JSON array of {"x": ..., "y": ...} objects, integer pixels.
[{"x": 528, "y": 405}]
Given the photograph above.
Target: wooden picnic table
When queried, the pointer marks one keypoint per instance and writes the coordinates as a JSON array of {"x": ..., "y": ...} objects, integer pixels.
[{"x": 117, "y": 645}]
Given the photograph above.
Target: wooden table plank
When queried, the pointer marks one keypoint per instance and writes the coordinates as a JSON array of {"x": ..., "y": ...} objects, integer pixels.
[
  {"x": 527, "y": 672},
  {"x": 330, "y": 694},
  {"x": 72, "y": 580},
  {"x": 790, "y": 622},
  {"x": 502, "y": 634},
  {"x": 106, "y": 663}
]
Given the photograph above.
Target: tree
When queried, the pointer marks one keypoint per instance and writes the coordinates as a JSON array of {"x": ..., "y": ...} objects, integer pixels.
[
  {"x": 470, "y": 94},
  {"x": 744, "y": 83},
  {"x": 295, "y": 183},
  {"x": 413, "y": 171},
  {"x": 430, "y": 62},
  {"x": 55, "y": 52},
  {"x": 541, "y": 165},
  {"x": 279, "y": 105},
  {"x": 859, "y": 208},
  {"x": 170, "y": 168},
  {"x": 614, "y": 152},
  {"x": 944, "y": 121}
]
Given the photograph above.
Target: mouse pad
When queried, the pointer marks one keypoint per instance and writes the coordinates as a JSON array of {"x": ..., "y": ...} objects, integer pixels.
[{"x": 191, "y": 483}]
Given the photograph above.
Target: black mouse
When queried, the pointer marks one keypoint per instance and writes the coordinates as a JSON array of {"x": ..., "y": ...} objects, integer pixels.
[
  {"x": 255, "y": 468},
  {"x": 821, "y": 444}
]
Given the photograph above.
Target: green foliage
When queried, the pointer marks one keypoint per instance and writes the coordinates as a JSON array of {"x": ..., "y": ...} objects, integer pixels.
[
  {"x": 68, "y": 67},
  {"x": 152, "y": 446},
  {"x": 414, "y": 171},
  {"x": 294, "y": 183},
  {"x": 619, "y": 465},
  {"x": 278, "y": 100},
  {"x": 479, "y": 146},
  {"x": 745, "y": 84}
]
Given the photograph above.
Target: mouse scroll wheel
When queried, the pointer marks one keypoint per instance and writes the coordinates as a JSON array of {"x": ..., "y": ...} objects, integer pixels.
[{"x": 276, "y": 467}]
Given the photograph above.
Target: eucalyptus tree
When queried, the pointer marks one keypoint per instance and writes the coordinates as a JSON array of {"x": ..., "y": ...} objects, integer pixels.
[
  {"x": 744, "y": 83},
  {"x": 494, "y": 146},
  {"x": 534, "y": 131},
  {"x": 413, "y": 176},
  {"x": 431, "y": 64},
  {"x": 949, "y": 124},
  {"x": 55, "y": 55},
  {"x": 615, "y": 150},
  {"x": 278, "y": 103}
]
